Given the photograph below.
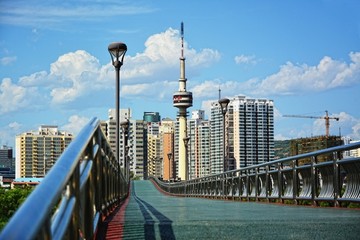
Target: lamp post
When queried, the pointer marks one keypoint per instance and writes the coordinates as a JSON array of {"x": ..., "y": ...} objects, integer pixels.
[
  {"x": 224, "y": 105},
  {"x": 125, "y": 130},
  {"x": 117, "y": 52},
  {"x": 169, "y": 158},
  {"x": 186, "y": 143}
]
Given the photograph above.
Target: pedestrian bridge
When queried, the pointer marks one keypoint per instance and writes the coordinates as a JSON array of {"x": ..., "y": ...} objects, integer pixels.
[
  {"x": 150, "y": 214},
  {"x": 86, "y": 196}
]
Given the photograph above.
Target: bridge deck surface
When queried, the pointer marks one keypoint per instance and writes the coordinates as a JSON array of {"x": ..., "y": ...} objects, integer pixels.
[{"x": 149, "y": 214}]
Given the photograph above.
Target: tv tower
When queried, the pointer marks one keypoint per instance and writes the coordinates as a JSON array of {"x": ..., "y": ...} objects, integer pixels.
[{"x": 182, "y": 100}]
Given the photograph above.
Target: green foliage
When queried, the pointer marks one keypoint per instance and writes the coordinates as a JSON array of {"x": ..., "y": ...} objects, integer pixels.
[
  {"x": 10, "y": 200},
  {"x": 354, "y": 205},
  {"x": 326, "y": 204}
]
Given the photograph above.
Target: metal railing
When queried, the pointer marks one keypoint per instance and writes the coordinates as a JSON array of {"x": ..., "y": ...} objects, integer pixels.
[
  {"x": 323, "y": 175},
  {"x": 85, "y": 185}
]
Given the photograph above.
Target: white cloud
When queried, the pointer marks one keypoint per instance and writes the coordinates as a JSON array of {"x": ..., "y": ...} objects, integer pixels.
[
  {"x": 356, "y": 131},
  {"x": 206, "y": 106},
  {"x": 7, "y": 60},
  {"x": 14, "y": 97},
  {"x": 295, "y": 79},
  {"x": 291, "y": 79},
  {"x": 35, "y": 79},
  {"x": 210, "y": 88},
  {"x": 15, "y": 126},
  {"x": 8, "y": 132},
  {"x": 160, "y": 59},
  {"x": 280, "y": 137},
  {"x": 156, "y": 90},
  {"x": 243, "y": 59},
  {"x": 206, "y": 89},
  {"x": 75, "y": 124},
  {"x": 73, "y": 75},
  {"x": 49, "y": 15},
  {"x": 77, "y": 74}
]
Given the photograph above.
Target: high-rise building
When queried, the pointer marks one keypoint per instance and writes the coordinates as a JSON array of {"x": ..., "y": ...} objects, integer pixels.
[
  {"x": 109, "y": 129},
  {"x": 138, "y": 148},
  {"x": 249, "y": 133},
  {"x": 151, "y": 117},
  {"x": 252, "y": 131},
  {"x": 166, "y": 132},
  {"x": 37, "y": 151},
  {"x": 153, "y": 150},
  {"x": 199, "y": 145},
  {"x": 7, "y": 164},
  {"x": 6, "y": 157},
  {"x": 136, "y": 141},
  {"x": 160, "y": 145},
  {"x": 154, "y": 155},
  {"x": 216, "y": 139},
  {"x": 202, "y": 167}
]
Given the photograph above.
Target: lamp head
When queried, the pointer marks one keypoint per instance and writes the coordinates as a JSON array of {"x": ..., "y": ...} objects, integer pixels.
[
  {"x": 117, "y": 52},
  {"x": 186, "y": 141},
  {"x": 224, "y": 102},
  {"x": 169, "y": 156},
  {"x": 125, "y": 124}
]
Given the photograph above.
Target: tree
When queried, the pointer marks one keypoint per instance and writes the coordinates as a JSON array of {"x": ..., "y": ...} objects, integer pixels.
[{"x": 10, "y": 200}]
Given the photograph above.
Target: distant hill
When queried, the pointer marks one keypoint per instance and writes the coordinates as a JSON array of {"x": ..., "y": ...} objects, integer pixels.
[{"x": 281, "y": 149}]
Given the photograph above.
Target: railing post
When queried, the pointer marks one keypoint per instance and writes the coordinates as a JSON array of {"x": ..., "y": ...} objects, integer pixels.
[
  {"x": 256, "y": 184},
  {"x": 75, "y": 191},
  {"x": 267, "y": 182},
  {"x": 295, "y": 181},
  {"x": 247, "y": 185},
  {"x": 314, "y": 180},
  {"x": 280, "y": 183},
  {"x": 336, "y": 179}
]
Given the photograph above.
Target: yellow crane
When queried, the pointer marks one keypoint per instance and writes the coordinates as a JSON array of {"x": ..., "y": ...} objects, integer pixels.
[{"x": 326, "y": 117}]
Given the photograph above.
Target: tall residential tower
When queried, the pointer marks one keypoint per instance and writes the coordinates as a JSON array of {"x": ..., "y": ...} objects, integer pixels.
[
  {"x": 37, "y": 151},
  {"x": 182, "y": 100}
]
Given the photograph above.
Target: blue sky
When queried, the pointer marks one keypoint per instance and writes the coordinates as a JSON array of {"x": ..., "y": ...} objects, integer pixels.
[{"x": 55, "y": 67}]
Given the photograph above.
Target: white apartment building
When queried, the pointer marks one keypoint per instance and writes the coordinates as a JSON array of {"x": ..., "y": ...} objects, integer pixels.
[
  {"x": 199, "y": 145},
  {"x": 216, "y": 139},
  {"x": 138, "y": 148},
  {"x": 249, "y": 133},
  {"x": 253, "y": 131}
]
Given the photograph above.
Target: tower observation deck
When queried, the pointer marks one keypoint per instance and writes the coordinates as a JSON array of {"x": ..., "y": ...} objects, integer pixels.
[{"x": 182, "y": 100}]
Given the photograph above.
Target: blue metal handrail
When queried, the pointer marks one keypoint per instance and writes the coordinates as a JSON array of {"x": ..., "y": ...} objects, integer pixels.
[
  {"x": 335, "y": 180},
  {"x": 83, "y": 186}
]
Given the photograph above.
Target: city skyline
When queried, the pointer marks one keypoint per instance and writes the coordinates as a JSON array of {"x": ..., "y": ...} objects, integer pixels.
[{"x": 55, "y": 68}]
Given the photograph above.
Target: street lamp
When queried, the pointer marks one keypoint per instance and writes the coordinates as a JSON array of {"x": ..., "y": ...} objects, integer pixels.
[
  {"x": 125, "y": 130},
  {"x": 224, "y": 105},
  {"x": 186, "y": 143},
  {"x": 117, "y": 52},
  {"x": 169, "y": 157}
]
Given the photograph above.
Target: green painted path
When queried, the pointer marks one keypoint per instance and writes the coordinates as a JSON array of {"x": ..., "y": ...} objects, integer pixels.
[{"x": 150, "y": 214}]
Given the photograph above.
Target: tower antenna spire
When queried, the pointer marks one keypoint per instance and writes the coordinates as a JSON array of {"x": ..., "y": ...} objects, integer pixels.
[{"x": 182, "y": 40}]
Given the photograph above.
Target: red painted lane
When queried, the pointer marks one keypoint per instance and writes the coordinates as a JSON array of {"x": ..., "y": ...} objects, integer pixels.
[{"x": 113, "y": 225}]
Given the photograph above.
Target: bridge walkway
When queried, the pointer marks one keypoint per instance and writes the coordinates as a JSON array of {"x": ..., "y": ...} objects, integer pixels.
[{"x": 149, "y": 214}]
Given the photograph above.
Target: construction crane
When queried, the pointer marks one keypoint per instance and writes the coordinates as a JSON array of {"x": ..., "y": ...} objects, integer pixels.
[{"x": 327, "y": 120}]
